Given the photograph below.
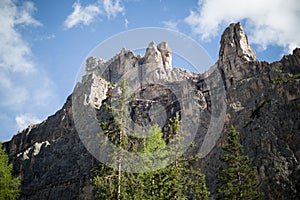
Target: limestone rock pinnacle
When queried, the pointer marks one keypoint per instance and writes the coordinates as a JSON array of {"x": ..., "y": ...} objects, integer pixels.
[
  {"x": 234, "y": 51},
  {"x": 166, "y": 54},
  {"x": 152, "y": 54},
  {"x": 234, "y": 44}
]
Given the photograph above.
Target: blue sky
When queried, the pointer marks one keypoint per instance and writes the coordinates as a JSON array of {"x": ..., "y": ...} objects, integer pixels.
[{"x": 43, "y": 43}]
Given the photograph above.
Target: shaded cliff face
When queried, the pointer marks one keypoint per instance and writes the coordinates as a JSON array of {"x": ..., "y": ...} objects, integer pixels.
[{"x": 263, "y": 102}]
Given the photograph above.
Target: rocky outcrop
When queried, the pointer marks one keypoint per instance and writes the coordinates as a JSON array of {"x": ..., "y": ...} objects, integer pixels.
[
  {"x": 235, "y": 45},
  {"x": 263, "y": 102},
  {"x": 235, "y": 50},
  {"x": 51, "y": 159}
]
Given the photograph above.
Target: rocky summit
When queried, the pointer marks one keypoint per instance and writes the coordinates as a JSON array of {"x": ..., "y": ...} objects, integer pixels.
[{"x": 262, "y": 102}]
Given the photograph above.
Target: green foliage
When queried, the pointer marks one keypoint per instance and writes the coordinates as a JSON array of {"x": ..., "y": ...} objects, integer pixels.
[
  {"x": 179, "y": 180},
  {"x": 9, "y": 185},
  {"x": 155, "y": 141},
  {"x": 286, "y": 80},
  {"x": 238, "y": 180},
  {"x": 189, "y": 181},
  {"x": 176, "y": 181},
  {"x": 106, "y": 181},
  {"x": 112, "y": 183}
]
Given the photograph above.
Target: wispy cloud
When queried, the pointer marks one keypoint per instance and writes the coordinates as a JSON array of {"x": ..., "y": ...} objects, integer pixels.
[
  {"x": 126, "y": 22},
  {"x": 45, "y": 37},
  {"x": 268, "y": 22},
  {"x": 81, "y": 15},
  {"x": 85, "y": 15},
  {"x": 24, "y": 87},
  {"x": 26, "y": 119},
  {"x": 112, "y": 8},
  {"x": 171, "y": 24},
  {"x": 15, "y": 54}
]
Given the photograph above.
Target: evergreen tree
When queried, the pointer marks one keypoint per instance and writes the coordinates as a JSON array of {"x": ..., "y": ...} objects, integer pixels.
[
  {"x": 133, "y": 186},
  {"x": 116, "y": 183},
  {"x": 176, "y": 181},
  {"x": 9, "y": 185},
  {"x": 238, "y": 180},
  {"x": 188, "y": 179},
  {"x": 179, "y": 180}
]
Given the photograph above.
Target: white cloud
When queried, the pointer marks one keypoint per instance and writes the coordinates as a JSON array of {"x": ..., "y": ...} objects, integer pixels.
[
  {"x": 24, "y": 14},
  {"x": 87, "y": 14},
  {"x": 112, "y": 8},
  {"x": 171, "y": 24},
  {"x": 45, "y": 37},
  {"x": 26, "y": 119},
  {"x": 24, "y": 88},
  {"x": 15, "y": 54},
  {"x": 268, "y": 22},
  {"x": 126, "y": 22},
  {"x": 81, "y": 15}
]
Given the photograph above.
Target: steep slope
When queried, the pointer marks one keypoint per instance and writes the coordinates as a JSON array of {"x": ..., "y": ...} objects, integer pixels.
[
  {"x": 51, "y": 159},
  {"x": 263, "y": 102}
]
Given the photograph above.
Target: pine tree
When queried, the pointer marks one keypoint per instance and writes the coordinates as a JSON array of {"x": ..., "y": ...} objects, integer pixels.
[
  {"x": 238, "y": 180},
  {"x": 9, "y": 185},
  {"x": 133, "y": 186},
  {"x": 179, "y": 180},
  {"x": 189, "y": 179},
  {"x": 116, "y": 183},
  {"x": 176, "y": 181}
]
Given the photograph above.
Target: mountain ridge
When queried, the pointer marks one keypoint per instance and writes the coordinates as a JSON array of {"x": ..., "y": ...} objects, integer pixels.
[{"x": 55, "y": 164}]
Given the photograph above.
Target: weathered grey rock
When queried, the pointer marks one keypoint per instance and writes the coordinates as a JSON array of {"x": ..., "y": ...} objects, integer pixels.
[
  {"x": 95, "y": 89},
  {"x": 234, "y": 44},
  {"x": 54, "y": 163},
  {"x": 265, "y": 112},
  {"x": 235, "y": 50},
  {"x": 166, "y": 54},
  {"x": 152, "y": 55},
  {"x": 51, "y": 159}
]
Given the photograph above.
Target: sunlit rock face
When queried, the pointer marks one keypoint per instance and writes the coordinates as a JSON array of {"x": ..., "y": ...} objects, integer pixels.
[
  {"x": 234, "y": 44},
  {"x": 263, "y": 103},
  {"x": 235, "y": 50}
]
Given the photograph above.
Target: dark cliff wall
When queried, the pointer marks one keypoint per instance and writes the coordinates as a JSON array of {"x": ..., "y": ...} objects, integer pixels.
[
  {"x": 53, "y": 162},
  {"x": 263, "y": 105}
]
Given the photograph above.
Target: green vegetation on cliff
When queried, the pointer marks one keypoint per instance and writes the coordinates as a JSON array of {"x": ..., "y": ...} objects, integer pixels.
[
  {"x": 9, "y": 185},
  {"x": 238, "y": 180}
]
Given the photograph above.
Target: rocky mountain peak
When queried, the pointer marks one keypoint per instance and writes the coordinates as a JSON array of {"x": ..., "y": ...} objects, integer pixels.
[
  {"x": 160, "y": 54},
  {"x": 234, "y": 44},
  {"x": 263, "y": 103},
  {"x": 234, "y": 52},
  {"x": 152, "y": 54},
  {"x": 166, "y": 54},
  {"x": 156, "y": 58}
]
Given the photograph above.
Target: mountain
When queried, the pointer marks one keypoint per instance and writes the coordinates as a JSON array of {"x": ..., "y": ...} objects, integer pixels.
[{"x": 260, "y": 99}]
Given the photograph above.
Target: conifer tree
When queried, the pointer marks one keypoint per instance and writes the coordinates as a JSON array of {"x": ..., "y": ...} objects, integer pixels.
[
  {"x": 191, "y": 181},
  {"x": 180, "y": 179},
  {"x": 176, "y": 181},
  {"x": 9, "y": 185},
  {"x": 238, "y": 180},
  {"x": 115, "y": 183}
]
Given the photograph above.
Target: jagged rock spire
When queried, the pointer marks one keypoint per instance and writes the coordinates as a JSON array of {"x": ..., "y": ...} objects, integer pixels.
[
  {"x": 152, "y": 54},
  {"x": 160, "y": 54},
  {"x": 234, "y": 51},
  {"x": 166, "y": 54},
  {"x": 234, "y": 44}
]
